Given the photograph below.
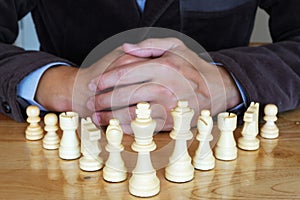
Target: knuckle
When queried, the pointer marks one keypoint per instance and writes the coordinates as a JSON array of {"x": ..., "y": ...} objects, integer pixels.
[
  {"x": 165, "y": 92},
  {"x": 120, "y": 73},
  {"x": 101, "y": 84},
  {"x": 169, "y": 63},
  {"x": 176, "y": 41},
  {"x": 147, "y": 43}
]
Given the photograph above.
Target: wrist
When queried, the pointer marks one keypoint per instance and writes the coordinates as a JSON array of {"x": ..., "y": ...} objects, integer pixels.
[
  {"x": 55, "y": 88},
  {"x": 233, "y": 96}
]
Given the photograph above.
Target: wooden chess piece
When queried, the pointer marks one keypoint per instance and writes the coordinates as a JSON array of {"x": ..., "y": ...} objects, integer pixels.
[
  {"x": 226, "y": 146},
  {"x": 249, "y": 140},
  {"x": 114, "y": 170},
  {"x": 69, "y": 144},
  {"x": 51, "y": 139},
  {"x": 180, "y": 168},
  {"x": 33, "y": 130},
  {"x": 270, "y": 130},
  {"x": 143, "y": 182},
  {"x": 204, "y": 158},
  {"x": 90, "y": 149}
]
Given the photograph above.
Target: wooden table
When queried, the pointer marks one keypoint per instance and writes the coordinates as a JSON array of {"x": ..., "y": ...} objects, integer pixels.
[{"x": 27, "y": 171}]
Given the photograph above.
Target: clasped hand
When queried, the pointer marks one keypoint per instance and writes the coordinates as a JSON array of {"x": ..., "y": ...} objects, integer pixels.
[
  {"x": 158, "y": 71},
  {"x": 161, "y": 72}
]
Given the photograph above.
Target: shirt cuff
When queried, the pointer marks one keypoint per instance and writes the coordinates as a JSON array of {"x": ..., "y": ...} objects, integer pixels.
[
  {"x": 241, "y": 90},
  {"x": 26, "y": 89}
]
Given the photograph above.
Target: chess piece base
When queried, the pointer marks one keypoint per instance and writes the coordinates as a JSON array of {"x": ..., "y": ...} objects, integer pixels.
[
  {"x": 174, "y": 174},
  {"x": 144, "y": 185},
  {"x": 51, "y": 146},
  {"x": 34, "y": 133},
  {"x": 90, "y": 164},
  {"x": 226, "y": 153},
  {"x": 269, "y": 133},
  {"x": 69, "y": 153},
  {"x": 206, "y": 163},
  {"x": 51, "y": 142},
  {"x": 114, "y": 175},
  {"x": 247, "y": 144}
]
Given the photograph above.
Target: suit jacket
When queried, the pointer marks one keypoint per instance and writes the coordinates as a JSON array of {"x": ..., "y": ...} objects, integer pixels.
[{"x": 69, "y": 30}]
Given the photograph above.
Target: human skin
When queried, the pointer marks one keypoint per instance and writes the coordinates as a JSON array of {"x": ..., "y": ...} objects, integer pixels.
[{"x": 158, "y": 71}]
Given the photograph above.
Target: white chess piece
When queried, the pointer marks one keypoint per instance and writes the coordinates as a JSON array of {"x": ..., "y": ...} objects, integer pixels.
[
  {"x": 51, "y": 139},
  {"x": 114, "y": 170},
  {"x": 226, "y": 146},
  {"x": 33, "y": 130},
  {"x": 69, "y": 144},
  {"x": 90, "y": 149},
  {"x": 143, "y": 182},
  {"x": 180, "y": 168},
  {"x": 249, "y": 141},
  {"x": 270, "y": 130},
  {"x": 204, "y": 158}
]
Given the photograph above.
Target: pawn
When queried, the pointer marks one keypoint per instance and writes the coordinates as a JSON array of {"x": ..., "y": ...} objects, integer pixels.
[
  {"x": 269, "y": 130},
  {"x": 204, "y": 159},
  {"x": 34, "y": 130},
  {"x": 114, "y": 170},
  {"x": 51, "y": 139},
  {"x": 226, "y": 146}
]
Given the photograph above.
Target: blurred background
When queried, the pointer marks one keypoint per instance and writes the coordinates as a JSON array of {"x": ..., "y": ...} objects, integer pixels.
[{"x": 28, "y": 39}]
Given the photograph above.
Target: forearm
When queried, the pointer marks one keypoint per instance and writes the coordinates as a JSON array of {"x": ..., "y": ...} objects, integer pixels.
[{"x": 15, "y": 64}]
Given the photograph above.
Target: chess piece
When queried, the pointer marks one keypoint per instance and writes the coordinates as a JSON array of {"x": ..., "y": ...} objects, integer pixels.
[
  {"x": 51, "y": 139},
  {"x": 114, "y": 170},
  {"x": 269, "y": 130},
  {"x": 69, "y": 143},
  {"x": 33, "y": 130},
  {"x": 143, "y": 182},
  {"x": 226, "y": 146},
  {"x": 180, "y": 168},
  {"x": 204, "y": 158},
  {"x": 249, "y": 140},
  {"x": 90, "y": 135}
]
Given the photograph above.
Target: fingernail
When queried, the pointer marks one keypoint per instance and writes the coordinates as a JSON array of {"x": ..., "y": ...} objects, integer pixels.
[
  {"x": 96, "y": 119},
  {"x": 127, "y": 47},
  {"x": 90, "y": 104},
  {"x": 92, "y": 86}
]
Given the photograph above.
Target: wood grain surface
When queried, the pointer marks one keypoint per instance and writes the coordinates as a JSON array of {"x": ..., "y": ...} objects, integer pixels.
[{"x": 27, "y": 171}]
